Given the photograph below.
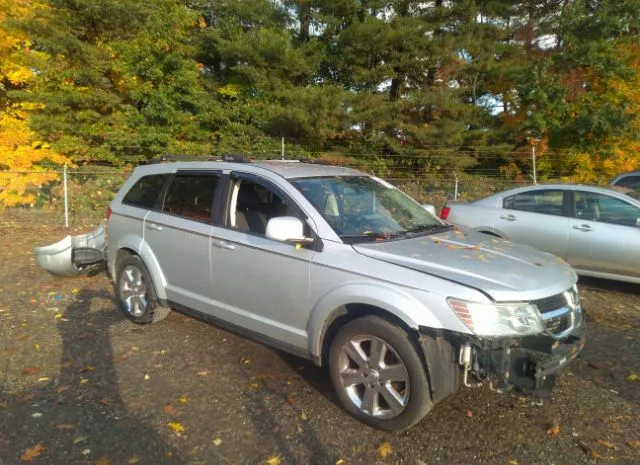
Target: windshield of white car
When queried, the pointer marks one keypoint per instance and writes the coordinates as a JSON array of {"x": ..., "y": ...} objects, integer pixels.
[{"x": 364, "y": 208}]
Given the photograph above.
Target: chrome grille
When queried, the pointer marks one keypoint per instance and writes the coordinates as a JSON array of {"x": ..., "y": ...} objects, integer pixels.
[
  {"x": 558, "y": 312},
  {"x": 549, "y": 304},
  {"x": 558, "y": 324}
]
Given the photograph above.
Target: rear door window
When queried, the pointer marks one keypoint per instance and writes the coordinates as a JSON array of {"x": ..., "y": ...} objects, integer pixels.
[
  {"x": 548, "y": 202},
  {"x": 632, "y": 182},
  {"x": 191, "y": 196},
  {"x": 146, "y": 191},
  {"x": 599, "y": 207}
]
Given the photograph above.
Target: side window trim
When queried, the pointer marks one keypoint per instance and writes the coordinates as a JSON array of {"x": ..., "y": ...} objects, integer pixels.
[{"x": 602, "y": 220}]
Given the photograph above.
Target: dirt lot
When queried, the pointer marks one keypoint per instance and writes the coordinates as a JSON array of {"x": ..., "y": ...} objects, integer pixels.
[{"x": 81, "y": 385}]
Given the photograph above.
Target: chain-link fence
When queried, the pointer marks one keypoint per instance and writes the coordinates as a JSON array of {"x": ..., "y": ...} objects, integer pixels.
[{"x": 80, "y": 196}]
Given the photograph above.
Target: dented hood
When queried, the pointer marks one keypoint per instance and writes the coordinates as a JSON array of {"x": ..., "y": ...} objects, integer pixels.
[{"x": 500, "y": 268}]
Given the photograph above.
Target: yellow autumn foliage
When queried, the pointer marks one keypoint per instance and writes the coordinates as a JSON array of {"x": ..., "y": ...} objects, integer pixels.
[{"x": 21, "y": 154}]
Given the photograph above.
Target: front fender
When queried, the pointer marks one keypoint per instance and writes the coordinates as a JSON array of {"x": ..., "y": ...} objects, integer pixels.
[{"x": 385, "y": 297}]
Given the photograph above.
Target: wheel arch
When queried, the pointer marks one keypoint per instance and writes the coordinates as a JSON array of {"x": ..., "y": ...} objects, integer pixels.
[{"x": 355, "y": 300}]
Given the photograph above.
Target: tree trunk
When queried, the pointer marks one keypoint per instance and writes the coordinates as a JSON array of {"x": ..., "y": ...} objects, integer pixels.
[{"x": 304, "y": 16}]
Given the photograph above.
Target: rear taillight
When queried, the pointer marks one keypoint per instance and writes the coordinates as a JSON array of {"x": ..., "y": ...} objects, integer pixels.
[
  {"x": 444, "y": 214},
  {"x": 108, "y": 213}
]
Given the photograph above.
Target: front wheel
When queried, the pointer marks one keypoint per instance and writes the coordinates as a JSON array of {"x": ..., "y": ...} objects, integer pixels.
[
  {"x": 378, "y": 374},
  {"x": 136, "y": 294}
]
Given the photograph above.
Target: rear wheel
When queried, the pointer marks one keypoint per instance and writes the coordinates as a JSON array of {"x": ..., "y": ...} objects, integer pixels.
[
  {"x": 378, "y": 374},
  {"x": 136, "y": 294}
]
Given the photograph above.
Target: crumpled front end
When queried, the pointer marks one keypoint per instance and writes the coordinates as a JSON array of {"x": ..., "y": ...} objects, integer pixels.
[{"x": 74, "y": 254}]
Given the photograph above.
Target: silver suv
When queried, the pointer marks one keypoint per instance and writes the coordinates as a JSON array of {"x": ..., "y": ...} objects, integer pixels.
[{"x": 340, "y": 267}]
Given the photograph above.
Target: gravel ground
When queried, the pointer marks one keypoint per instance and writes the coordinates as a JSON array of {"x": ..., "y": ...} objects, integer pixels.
[{"x": 81, "y": 385}]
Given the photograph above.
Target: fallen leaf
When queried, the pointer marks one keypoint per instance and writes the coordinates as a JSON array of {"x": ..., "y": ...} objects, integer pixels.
[
  {"x": 106, "y": 401},
  {"x": 554, "y": 430},
  {"x": 44, "y": 379},
  {"x": 30, "y": 371},
  {"x": 589, "y": 450},
  {"x": 469, "y": 413},
  {"x": 36, "y": 346},
  {"x": 217, "y": 441},
  {"x": 512, "y": 462},
  {"x": 303, "y": 416},
  {"x": 67, "y": 364},
  {"x": 133, "y": 460},
  {"x": 633, "y": 444},
  {"x": 120, "y": 358},
  {"x": 169, "y": 409},
  {"x": 64, "y": 426},
  {"x": 75, "y": 290},
  {"x": 633, "y": 377},
  {"x": 104, "y": 460},
  {"x": 607, "y": 444},
  {"x": 183, "y": 399},
  {"x": 61, "y": 389},
  {"x": 254, "y": 385},
  {"x": 87, "y": 369},
  {"x": 384, "y": 449},
  {"x": 267, "y": 376},
  {"x": 147, "y": 377},
  {"x": 175, "y": 426},
  {"x": 32, "y": 452},
  {"x": 275, "y": 460},
  {"x": 84, "y": 380},
  {"x": 340, "y": 462},
  {"x": 79, "y": 439},
  {"x": 58, "y": 315},
  {"x": 289, "y": 399},
  {"x": 203, "y": 373}
]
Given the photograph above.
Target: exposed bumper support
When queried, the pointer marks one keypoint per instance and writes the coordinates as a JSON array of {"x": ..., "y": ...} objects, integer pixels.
[{"x": 527, "y": 365}]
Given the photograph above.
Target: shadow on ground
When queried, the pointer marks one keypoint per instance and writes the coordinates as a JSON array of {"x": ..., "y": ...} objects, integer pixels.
[{"x": 80, "y": 417}]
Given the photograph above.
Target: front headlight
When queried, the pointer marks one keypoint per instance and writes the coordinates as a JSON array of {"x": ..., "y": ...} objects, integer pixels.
[{"x": 509, "y": 319}]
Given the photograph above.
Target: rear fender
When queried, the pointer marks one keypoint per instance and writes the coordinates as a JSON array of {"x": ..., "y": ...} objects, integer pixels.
[
  {"x": 135, "y": 243},
  {"x": 387, "y": 298}
]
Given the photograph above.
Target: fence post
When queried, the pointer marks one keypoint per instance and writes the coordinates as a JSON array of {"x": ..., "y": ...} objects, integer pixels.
[
  {"x": 455, "y": 191},
  {"x": 533, "y": 159},
  {"x": 282, "y": 148},
  {"x": 66, "y": 197}
]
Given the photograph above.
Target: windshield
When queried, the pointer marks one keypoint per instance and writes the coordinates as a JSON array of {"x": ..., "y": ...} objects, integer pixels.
[{"x": 362, "y": 208}]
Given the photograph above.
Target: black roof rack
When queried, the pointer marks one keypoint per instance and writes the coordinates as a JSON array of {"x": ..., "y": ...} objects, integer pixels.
[
  {"x": 313, "y": 161},
  {"x": 174, "y": 158}
]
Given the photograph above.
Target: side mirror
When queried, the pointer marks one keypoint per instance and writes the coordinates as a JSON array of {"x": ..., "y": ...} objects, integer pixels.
[
  {"x": 287, "y": 229},
  {"x": 430, "y": 208}
]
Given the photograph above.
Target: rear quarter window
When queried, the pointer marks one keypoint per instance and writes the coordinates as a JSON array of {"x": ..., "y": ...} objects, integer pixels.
[{"x": 145, "y": 191}]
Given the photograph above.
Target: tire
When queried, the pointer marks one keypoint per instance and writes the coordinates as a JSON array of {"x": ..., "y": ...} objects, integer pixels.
[
  {"x": 388, "y": 391},
  {"x": 135, "y": 292}
]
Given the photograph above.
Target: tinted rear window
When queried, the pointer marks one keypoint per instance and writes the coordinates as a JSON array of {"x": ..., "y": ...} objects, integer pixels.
[
  {"x": 145, "y": 192},
  {"x": 191, "y": 196}
]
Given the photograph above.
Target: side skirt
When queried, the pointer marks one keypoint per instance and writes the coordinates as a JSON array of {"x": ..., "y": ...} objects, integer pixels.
[{"x": 268, "y": 341}]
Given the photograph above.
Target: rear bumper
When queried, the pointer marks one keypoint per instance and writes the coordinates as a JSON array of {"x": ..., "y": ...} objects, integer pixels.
[{"x": 73, "y": 254}]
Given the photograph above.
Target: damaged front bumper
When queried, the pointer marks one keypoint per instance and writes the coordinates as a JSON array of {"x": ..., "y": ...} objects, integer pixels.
[
  {"x": 73, "y": 254},
  {"x": 526, "y": 365}
]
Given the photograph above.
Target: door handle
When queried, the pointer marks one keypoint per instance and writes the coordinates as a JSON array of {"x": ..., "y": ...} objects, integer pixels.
[
  {"x": 224, "y": 245},
  {"x": 154, "y": 227},
  {"x": 582, "y": 227},
  {"x": 508, "y": 217}
]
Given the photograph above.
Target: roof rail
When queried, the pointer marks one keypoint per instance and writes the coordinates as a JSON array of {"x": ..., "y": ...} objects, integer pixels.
[
  {"x": 174, "y": 158},
  {"x": 313, "y": 161}
]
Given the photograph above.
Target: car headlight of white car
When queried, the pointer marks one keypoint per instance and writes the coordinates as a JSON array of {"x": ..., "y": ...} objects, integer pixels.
[{"x": 499, "y": 319}]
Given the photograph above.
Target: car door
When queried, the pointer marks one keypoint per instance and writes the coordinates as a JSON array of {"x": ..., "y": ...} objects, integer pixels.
[
  {"x": 537, "y": 218},
  {"x": 260, "y": 284},
  {"x": 178, "y": 234},
  {"x": 604, "y": 234}
]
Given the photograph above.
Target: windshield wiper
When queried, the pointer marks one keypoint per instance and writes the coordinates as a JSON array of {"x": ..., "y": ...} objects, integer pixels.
[{"x": 431, "y": 228}]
